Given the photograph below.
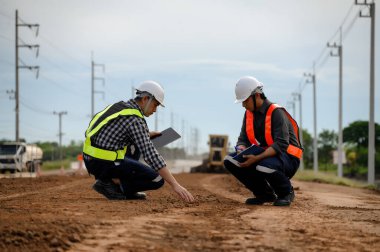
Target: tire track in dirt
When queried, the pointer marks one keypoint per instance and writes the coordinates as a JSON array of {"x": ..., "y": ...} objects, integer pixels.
[
  {"x": 44, "y": 191},
  {"x": 325, "y": 194},
  {"x": 209, "y": 184},
  {"x": 314, "y": 222},
  {"x": 317, "y": 207},
  {"x": 198, "y": 228},
  {"x": 141, "y": 233}
]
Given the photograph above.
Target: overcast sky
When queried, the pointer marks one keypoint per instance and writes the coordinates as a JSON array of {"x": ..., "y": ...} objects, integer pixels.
[{"x": 197, "y": 50}]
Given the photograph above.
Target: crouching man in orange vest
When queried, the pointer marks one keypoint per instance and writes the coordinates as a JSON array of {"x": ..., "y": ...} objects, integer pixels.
[{"x": 270, "y": 127}]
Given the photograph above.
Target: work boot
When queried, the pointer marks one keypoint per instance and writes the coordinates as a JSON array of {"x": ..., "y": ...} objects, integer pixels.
[
  {"x": 136, "y": 196},
  {"x": 108, "y": 189},
  {"x": 261, "y": 200},
  {"x": 130, "y": 195},
  {"x": 286, "y": 200}
]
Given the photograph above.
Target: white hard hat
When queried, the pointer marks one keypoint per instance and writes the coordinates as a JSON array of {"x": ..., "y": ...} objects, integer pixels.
[
  {"x": 247, "y": 86},
  {"x": 154, "y": 89}
]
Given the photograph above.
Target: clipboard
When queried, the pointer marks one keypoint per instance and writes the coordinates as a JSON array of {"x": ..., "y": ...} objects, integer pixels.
[
  {"x": 253, "y": 149},
  {"x": 166, "y": 137}
]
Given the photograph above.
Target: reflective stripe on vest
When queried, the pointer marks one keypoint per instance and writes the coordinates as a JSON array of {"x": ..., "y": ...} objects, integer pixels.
[
  {"x": 249, "y": 127},
  {"x": 100, "y": 153}
]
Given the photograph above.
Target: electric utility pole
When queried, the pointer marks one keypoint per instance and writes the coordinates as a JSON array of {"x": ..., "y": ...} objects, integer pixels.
[
  {"x": 195, "y": 138},
  {"x": 293, "y": 105},
  {"x": 371, "y": 125},
  {"x": 156, "y": 121},
  {"x": 339, "y": 53},
  {"x": 60, "y": 134},
  {"x": 298, "y": 97},
  {"x": 17, "y": 67},
  {"x": 93, "y": 78},
  {"x": 183, "y": 135},
  {"x": 311, "y": 79}
]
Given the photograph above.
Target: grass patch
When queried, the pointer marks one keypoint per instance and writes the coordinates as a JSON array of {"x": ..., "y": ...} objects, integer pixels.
[
  {"x": 331, "y": 178},
  {"x": 55, "y": 165}
]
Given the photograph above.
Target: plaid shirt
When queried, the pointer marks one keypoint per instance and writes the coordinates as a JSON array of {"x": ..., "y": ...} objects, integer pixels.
[{"x": 127, "y": 130}]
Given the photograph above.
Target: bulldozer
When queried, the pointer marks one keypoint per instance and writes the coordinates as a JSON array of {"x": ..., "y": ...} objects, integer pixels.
[{"x": 218, "y": 149}]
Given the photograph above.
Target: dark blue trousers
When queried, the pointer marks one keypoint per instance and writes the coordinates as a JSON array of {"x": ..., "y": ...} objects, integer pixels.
[
  {"x": 268, "y": 176},
  {"x": 134, "y": 176}
]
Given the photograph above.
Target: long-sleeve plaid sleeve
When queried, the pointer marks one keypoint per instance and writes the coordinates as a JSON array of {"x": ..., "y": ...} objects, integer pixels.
[{"x": 139, "y": 133}]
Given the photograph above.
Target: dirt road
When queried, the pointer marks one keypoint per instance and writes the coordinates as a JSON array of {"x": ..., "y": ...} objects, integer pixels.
[{"x": 59, "y": 213}]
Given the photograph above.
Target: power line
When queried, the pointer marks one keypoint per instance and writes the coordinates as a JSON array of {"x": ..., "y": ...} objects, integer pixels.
[
  {"x": 320, "y": 55},
  {"x": 332, "y": 38},
  {"x": 323, "y": 62},
  {"x": 52, "y": 45},
  {"x": 35, "y": 109},
  {"x": 59, "y": 85},
  {"x": 39, "y": 133},
  {"x": 32, "y": 126},
  {"x": 348, "y": 29},
  {"x": 322, "y": 59},
  {"x": 5, "y": 38},
  {"x": 77, "y": 118},
  {"x": 63, "y": 52},
  {"x": 343, "y": 22},
  {"x": 59, "y": 68},
  {"x": 5, "y": 15},
  {"x": 6, "y": 62}
]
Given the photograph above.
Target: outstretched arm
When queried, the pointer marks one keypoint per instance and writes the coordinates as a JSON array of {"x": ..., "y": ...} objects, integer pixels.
[{"x": 181, "y": 191}]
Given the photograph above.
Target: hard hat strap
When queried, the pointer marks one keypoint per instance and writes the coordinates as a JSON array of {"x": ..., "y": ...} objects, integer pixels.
[{"x": 147, "y": 105}]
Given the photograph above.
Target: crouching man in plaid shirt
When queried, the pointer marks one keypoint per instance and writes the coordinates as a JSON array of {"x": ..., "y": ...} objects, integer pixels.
[{"x": 116, "y": 137}]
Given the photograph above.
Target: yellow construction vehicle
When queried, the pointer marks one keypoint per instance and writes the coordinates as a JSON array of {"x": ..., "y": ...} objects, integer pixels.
[{"x": 218, "y": 150}]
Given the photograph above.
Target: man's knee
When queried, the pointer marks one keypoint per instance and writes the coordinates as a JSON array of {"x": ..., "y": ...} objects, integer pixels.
[
  {"x": 265, "y": 169},
  {"x": 228, "y": 163},
  {"x": 158, "y": 182}
]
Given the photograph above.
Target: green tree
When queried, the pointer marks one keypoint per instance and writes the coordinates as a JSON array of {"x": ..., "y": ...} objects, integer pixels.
[
  {"x": 50, "y": 150},
  {"x": 357, "y": 133},
  {"x": 327, "y": 142},
  {"x": 73, "y": 149},
  {"x": 356, "y": 136},
  {"x": 308, "y": 148}
]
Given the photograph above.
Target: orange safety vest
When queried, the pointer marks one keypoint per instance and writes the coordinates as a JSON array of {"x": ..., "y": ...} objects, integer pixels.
[{"x": 249, "y": 122}]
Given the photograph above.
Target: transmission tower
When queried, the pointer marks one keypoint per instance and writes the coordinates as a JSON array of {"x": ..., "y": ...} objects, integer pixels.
[
  {"x": 93, "y": 79},
  {"x": 195, "y": 140},
  {"x": 60, "y": 134}
]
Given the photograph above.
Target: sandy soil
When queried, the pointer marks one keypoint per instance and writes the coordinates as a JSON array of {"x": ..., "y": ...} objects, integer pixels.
[{"x": 59, "y": 213}]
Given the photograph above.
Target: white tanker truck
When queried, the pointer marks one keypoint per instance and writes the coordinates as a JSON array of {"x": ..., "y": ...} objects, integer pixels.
[{"x": 19, "y": 157}]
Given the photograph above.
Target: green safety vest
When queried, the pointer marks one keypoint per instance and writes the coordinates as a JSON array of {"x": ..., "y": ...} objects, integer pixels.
[{"x": 91, "y": 130}]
